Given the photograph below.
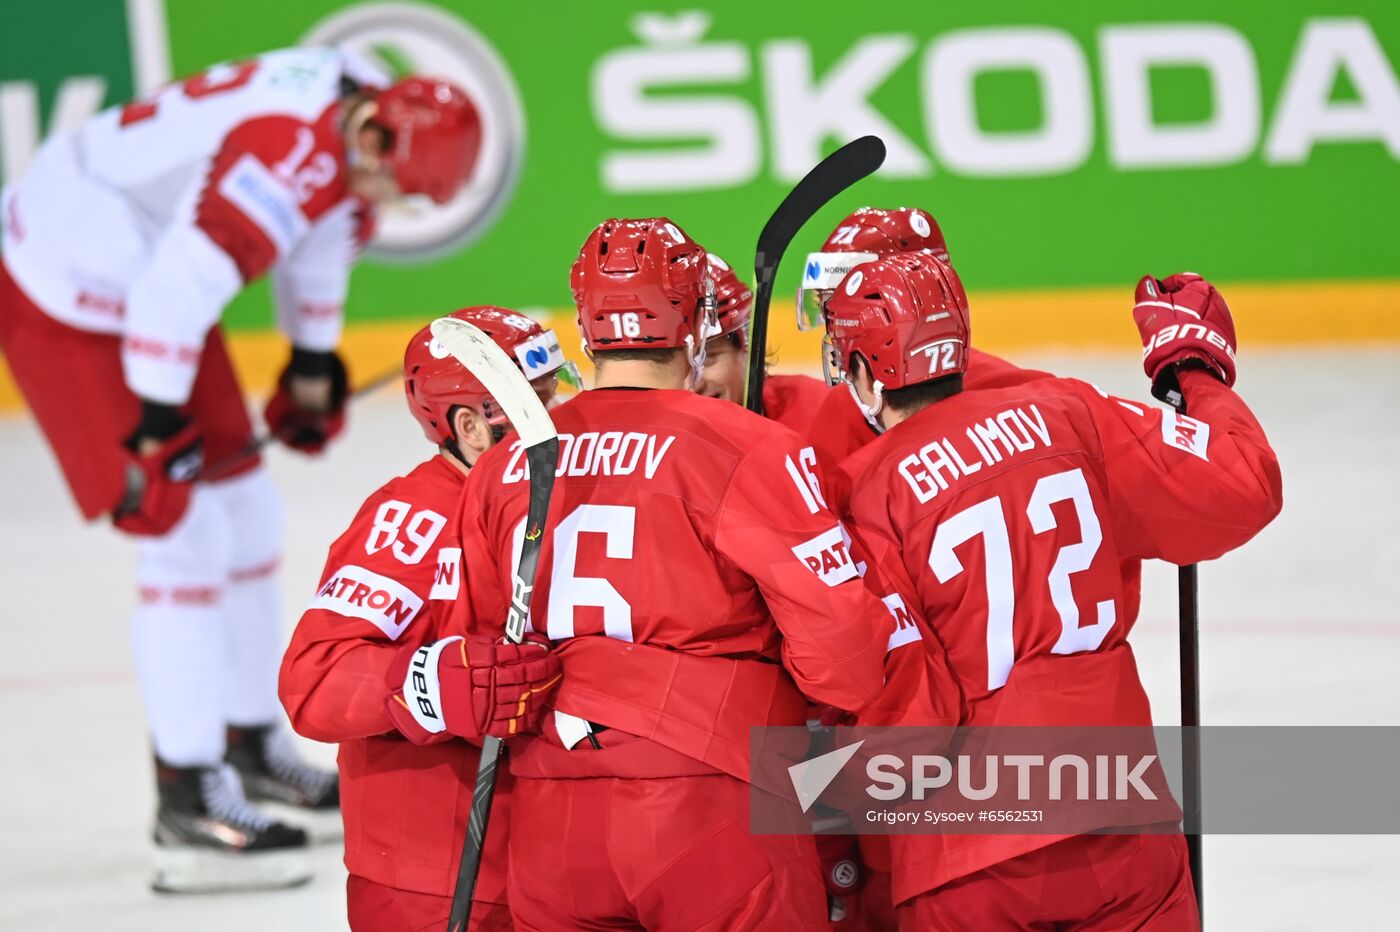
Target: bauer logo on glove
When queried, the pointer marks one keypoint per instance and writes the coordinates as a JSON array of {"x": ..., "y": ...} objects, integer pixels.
[
  {"x": 1183, "y": 320},
  {"x": 471, "y": 688}
]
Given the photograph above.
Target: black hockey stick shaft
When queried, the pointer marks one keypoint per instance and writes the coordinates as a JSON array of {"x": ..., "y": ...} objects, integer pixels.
[
  {"x": 543, "y": 459},
  {"x": 832, "y": 175},
  {"x": 255, "y": 446},
  {"x": 1187, "y": 594},
  {"x": 1188, "y": 620}
]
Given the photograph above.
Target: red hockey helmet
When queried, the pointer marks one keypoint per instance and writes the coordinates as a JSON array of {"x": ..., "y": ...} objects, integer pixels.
[
  {"x": 435, "y": 135},
  {"x": 881, "y": 231},
  {"x": 868, "y": 233},
  {"x": 733, "y": 299},
  {"x": 643, "y": 284},
  {"x": 905, "y": 315},
  {"x": 435, "y": 381}
]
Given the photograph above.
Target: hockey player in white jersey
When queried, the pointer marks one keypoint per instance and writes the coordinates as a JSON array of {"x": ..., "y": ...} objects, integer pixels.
[{"x": 122, "y": 244}]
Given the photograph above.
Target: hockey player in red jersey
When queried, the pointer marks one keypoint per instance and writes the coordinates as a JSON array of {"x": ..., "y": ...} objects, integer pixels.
[
  {"x": 791, "y": 400},
  {"x": 406, "y": 805},
  {"x": 694, "y": 584},
  {"x": 122, "y": 244},
  {"x": 1012, "y": 509},
  {"x": 838, "y": 428},
  {"x": 871, "y": 233}
]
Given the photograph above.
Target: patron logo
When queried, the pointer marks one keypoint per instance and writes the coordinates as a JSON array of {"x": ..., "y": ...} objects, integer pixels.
[
  {"x": 905, "y": 630},
  {"x": 358, "y": 593},
  {"x": 416, "y": 38},
  {"x": 1185, "y": 433},
  {"x": 447, "y": 580},
  {"x": 829, "y": 556}
]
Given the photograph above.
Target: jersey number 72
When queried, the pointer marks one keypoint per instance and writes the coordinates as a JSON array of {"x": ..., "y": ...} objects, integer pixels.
[{"x": 988, "y": 519}]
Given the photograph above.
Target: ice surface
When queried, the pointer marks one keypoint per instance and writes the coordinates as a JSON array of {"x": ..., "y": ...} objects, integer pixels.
[{"x": 1300, "y": 627}]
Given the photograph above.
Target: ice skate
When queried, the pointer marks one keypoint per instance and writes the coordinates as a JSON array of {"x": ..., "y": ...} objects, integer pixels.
[
  {"x": 209, "y": 840},
  {"x": 280, "y": 782}
]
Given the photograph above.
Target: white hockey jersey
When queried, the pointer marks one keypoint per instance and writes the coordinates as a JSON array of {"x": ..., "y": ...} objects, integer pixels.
[{"x": 148, "y": 219}]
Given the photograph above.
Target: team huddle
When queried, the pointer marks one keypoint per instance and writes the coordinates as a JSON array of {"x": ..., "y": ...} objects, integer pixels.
[
  {"x": 706, "y": 570},
  {"x": 932, "y": 536}
]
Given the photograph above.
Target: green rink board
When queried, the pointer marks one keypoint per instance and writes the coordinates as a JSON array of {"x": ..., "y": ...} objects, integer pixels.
[{"x": 728, "y": 83}]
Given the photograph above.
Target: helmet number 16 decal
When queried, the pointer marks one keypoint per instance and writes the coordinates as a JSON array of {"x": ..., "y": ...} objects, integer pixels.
[{"x": 626, "y": 324}]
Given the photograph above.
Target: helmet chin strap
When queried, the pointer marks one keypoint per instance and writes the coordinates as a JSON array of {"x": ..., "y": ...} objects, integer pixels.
[
  {"x": 872, "y": 413},
  {"x": 697, "y": 361},
  {"x": 455, "y": 450}
]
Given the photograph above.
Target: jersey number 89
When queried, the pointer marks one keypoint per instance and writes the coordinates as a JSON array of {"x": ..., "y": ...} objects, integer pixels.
[{"x": 420, "y": 530}]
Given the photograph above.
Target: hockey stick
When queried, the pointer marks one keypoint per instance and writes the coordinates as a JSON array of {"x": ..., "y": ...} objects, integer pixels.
[
  {"x": 512, "y": 391},
  {"x": 256, "y": 445},
  {"x": 832, "y": 175},
  {"x": 1186, "y": 595},
  {"x": 1188, "y": 622}
]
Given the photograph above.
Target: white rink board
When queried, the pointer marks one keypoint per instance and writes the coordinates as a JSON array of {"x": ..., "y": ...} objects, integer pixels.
[{"x": 1298, "y": 628}]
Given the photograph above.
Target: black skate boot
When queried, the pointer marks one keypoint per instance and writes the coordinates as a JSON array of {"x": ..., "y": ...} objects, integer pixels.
[
  {"x": 280, "y": 782},
  {"x": 208, "y": 839}
]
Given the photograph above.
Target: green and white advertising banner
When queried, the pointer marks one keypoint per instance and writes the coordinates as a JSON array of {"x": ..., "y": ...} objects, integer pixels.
[{"x": 1066, "y": 149}]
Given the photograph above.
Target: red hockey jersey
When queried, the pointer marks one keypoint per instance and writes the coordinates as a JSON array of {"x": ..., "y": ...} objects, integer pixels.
[
  {"x": 839, "y": 429},
  {"x": 1013, "y": 510},
  {"x": 692, "y": 579},
  {"x": 405, "y": 806},
  {"x": 794, "y": 400}
]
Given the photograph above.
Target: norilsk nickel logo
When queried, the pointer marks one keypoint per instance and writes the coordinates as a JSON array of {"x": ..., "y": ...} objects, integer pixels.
[{"x": 412, "y": 37}]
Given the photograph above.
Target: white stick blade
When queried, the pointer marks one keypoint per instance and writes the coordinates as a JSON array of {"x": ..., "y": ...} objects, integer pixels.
[{"x": 499, "y": 373}]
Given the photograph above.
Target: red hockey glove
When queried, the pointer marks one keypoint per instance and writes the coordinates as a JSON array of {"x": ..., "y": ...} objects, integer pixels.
[
  {"x": 293, "y": 418},
  {"x": 1183, "y": 318},
  {"x": 164, "y": 456},
  {"x": 471, "y": 688}
]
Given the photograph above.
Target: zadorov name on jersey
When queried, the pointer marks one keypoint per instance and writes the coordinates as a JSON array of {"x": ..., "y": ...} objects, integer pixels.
[
  {"x": 610, "y": 453},
  {"x": 358, "y": 593}
]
